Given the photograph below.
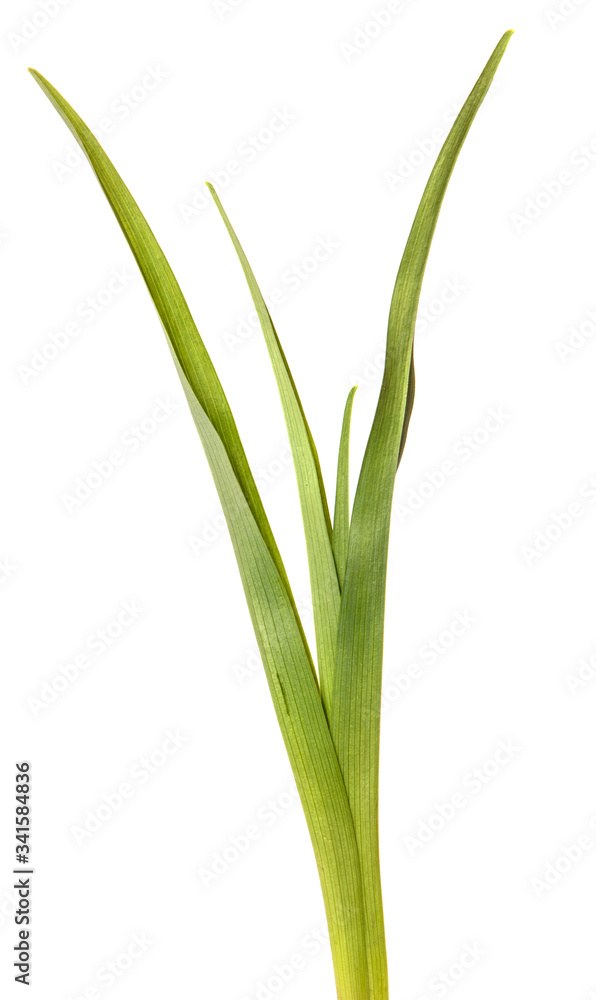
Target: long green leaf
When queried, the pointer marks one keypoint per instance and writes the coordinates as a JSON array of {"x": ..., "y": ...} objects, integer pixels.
[
  {"x": 170, "y": 303},
  {"x": 355, "y": 718},
  {"x": 285, "y": 654},
  {"x": 301, "y": 719},
  {"x": 313, "y": 501},
  {"x": 341, "y": 515}
]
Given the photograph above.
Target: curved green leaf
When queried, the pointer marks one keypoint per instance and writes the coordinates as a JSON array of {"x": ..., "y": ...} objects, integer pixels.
[
  {"x": 181, "y": 331},
  {"x": 301, "y": 719},
  {"x": 313, "y": 501},
  {"x": 355, "y": 717},
  {"x": 288, "y": 664}
]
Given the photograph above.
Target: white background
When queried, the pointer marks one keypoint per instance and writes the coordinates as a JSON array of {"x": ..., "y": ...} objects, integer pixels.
[{"x": 186, "y": 663}]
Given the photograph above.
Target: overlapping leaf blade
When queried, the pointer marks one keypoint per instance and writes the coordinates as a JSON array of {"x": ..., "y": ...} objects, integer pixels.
[
  {"x": 170, "y": 303},
  {"x": 335, "y": 757},
  {"x": 313, "y": 501},
  {"x": 284, "y": 650},
  {"x": 355, "y": 717},
  {"x": 301, "y": 719}
]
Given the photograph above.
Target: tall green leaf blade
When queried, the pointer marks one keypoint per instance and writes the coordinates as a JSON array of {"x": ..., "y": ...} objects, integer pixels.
[
  {"x": 173, "y": 311},
  {"x": 311, "y": 490},
  {"x": 301, "y": 719},
  {"x": 355, "y": 718},
  {"x": 283, "y": 647},
  {"x": 341, "y": 514}
]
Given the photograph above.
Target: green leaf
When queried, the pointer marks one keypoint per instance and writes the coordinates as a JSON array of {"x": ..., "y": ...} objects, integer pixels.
[
  {"x": 301, "y": 719},
  {"x": 313, "y": 501},
  {"x": 341, "y": 516},
  {"x": 173, "y": 311},
  {"x": 355, "y": 718},
  {"x": 288, "y": 665},
  {"x": 332, "y": 740}
]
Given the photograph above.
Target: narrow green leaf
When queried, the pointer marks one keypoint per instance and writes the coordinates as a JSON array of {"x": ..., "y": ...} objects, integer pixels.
[
  {"x": 173, "y": 311},
  {"x": 313, "y": 501},
  {"x": 288, "y": 665},
  {"x": 301, "y": 719},
  {"x": 341, "y": 516},
  {"x": 355, "y": 718}
]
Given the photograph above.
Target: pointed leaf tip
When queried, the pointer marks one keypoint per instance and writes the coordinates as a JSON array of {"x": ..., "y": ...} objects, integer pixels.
[
  {"x": 341, "y": 519},
  {"x": 311, "y": 489}
]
